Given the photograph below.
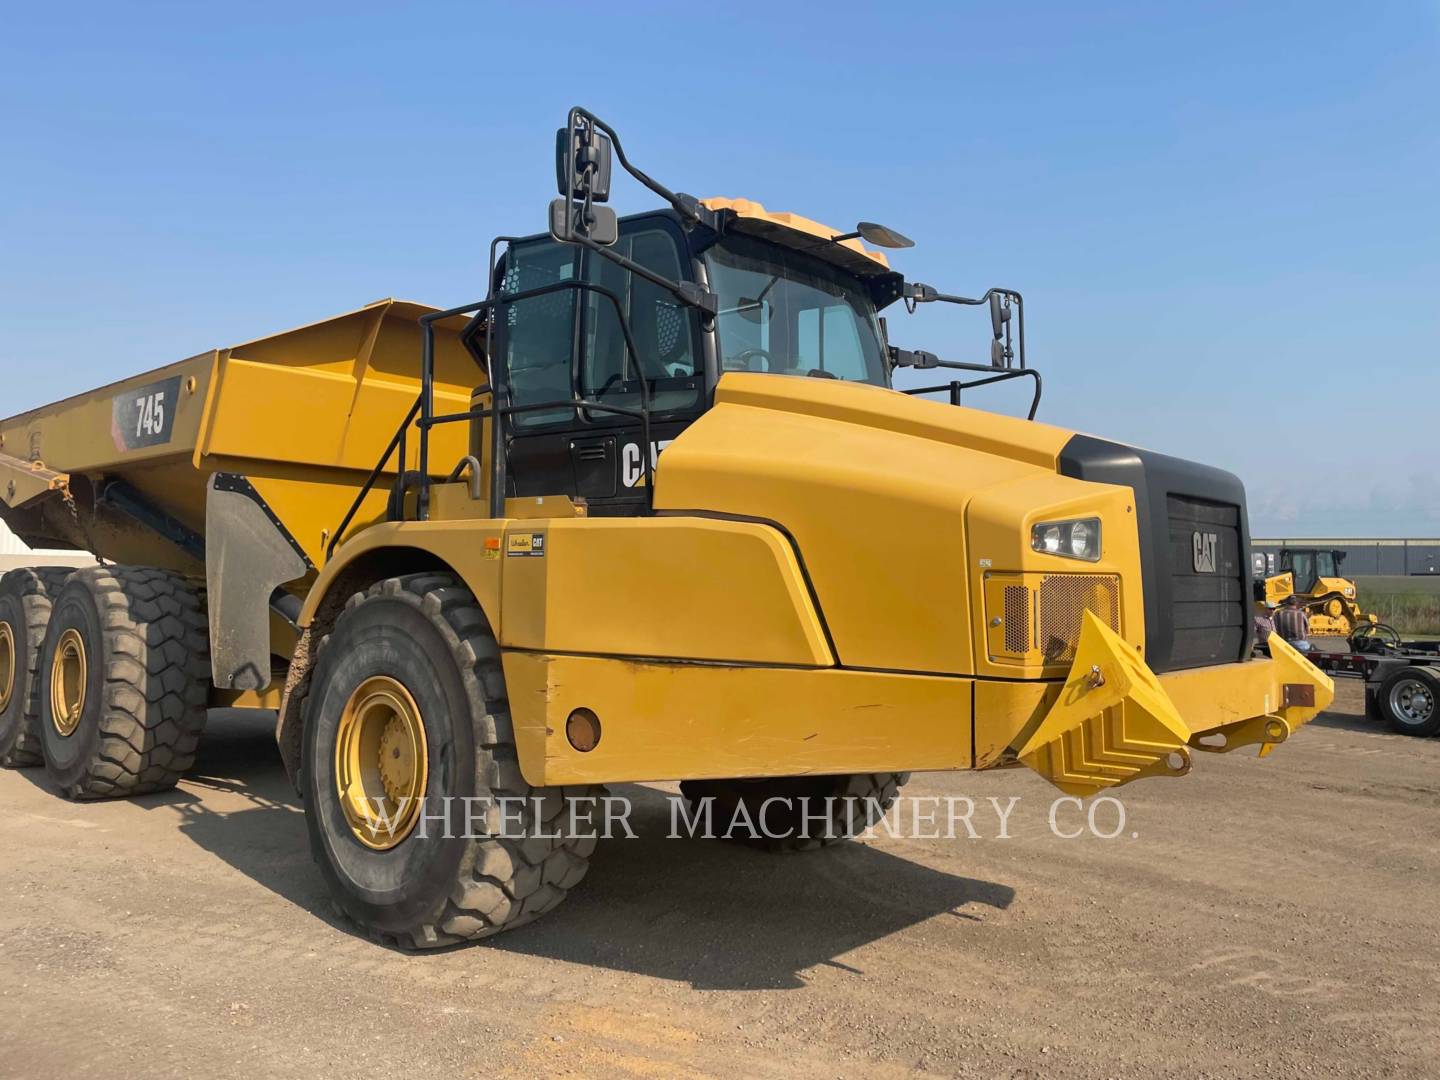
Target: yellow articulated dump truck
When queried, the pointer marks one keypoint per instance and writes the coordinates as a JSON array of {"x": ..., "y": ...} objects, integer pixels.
[{"x": 651, "y": 510}]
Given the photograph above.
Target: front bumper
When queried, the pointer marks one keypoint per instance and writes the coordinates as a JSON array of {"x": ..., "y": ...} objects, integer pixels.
[{"x": 1115, "y": 720}]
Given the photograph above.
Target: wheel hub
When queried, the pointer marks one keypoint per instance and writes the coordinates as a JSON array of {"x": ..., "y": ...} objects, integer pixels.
[
  {"x": 381, "y": 763},
  {"x": 397, "y": 758},
  {"x": 1412, "y": 701},
  {"x": 7, "y": 664},
  {"x": 69, "y": 672}
]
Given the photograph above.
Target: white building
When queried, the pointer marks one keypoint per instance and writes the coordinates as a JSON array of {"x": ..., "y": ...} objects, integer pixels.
[{"x": 14, "y": 553}]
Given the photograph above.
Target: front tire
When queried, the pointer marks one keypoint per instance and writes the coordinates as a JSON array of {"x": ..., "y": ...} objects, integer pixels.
[
  {"x": 407, "y": 698},
  {"x": 124, "y": 677}
]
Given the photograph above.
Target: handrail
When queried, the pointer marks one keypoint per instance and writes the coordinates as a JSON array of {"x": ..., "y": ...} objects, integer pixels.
[
  {"x": 424, "y": 405},
  {"x": 369, "y": 484},
  {"x": 955, "y": 386}
]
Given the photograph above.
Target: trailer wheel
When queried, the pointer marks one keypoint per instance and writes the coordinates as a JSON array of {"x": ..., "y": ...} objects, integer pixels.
[
  {"x": 124, "y": 675},
  {"x": 1409, "y": 700},
  {"x": 419, "y": 818},
  {"x": 25, "y": 596},
  {"x": 795, "y": 813}
]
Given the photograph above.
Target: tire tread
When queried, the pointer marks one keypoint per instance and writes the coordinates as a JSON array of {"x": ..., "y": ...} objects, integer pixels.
[
  {"x": 156, "y": 680},
  {"x": 502, "y": 883}
]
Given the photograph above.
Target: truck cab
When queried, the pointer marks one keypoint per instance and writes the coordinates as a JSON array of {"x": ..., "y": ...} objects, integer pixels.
[{"x": 781, "y": 311}]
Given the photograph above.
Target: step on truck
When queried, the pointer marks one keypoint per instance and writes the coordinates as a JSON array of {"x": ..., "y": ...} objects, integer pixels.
[{"x": 652, "y": 510}]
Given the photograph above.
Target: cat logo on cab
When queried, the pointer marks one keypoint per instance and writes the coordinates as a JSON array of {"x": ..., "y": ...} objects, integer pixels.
[{"x": 632, "y": 463}]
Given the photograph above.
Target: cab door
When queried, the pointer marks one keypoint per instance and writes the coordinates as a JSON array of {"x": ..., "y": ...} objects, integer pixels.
[
  {"x": 570, "y": 344},
  {"x": 1301, "y": 565}
]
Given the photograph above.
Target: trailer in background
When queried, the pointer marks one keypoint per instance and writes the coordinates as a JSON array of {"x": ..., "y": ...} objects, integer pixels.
[{"x": 1402, "y": 679}]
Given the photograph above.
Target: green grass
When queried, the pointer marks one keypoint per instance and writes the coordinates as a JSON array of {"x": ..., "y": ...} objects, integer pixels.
[{"x": 1410, "y": 604}]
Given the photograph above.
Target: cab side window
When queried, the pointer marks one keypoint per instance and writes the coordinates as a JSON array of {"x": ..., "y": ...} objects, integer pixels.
[
  {"x": 664, "y": 332},
  {"x": 540, "y": 330},
  {"x": 542, "y": 333}
]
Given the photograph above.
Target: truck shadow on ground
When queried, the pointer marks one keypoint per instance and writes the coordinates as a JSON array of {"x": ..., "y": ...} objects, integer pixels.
[
  {"x": 718, "y": 915},
  {"x": 709, "y": 913},
  {"x": 1348, "y": 721}
]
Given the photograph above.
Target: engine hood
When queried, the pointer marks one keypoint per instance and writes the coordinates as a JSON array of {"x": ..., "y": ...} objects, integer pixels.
[{"x": 874, "y": 487}]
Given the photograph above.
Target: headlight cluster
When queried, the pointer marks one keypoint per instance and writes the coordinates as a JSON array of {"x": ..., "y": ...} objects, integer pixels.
[{"x": 1075, "y": 539}]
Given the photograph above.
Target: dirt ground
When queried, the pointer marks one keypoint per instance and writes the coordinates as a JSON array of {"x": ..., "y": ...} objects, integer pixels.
[{"x": 1257, "y": 918}]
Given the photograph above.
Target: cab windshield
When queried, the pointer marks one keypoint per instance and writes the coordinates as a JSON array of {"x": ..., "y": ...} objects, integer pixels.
[{"x": 791, "y": 314}]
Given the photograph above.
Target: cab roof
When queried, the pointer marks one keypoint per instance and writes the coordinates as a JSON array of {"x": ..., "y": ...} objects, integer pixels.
[{"x": 802, "y": 234}]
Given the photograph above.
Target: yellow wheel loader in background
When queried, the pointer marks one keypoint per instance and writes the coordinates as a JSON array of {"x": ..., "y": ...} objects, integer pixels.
[{"x": 651, "y": 510}]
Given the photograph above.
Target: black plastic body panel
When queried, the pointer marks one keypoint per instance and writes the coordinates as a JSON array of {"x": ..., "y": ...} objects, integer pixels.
[{"x": 1161, "y": 483}]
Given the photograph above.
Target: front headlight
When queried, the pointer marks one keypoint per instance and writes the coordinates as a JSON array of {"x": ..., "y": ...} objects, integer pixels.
[{"x": 1077, "y": 539}]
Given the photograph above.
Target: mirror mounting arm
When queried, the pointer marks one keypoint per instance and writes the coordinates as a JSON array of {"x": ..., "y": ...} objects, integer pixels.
[
  {"x": 687, "y": 206},
  {"x": 999, "y": 298},
  {"x": 688, "y": 293},
  {"x": 916, "y": 358},
  {"x": 583, "y": 150}
]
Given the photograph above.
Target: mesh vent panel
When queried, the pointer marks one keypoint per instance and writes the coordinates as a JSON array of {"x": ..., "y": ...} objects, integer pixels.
[
  {"x": 668, "y": 326},
  {"x": 1017, "y": 619},
  {"x": 1064, "y": 599}
]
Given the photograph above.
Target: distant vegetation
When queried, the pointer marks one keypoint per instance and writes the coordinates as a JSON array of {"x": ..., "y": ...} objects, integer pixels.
[{"x": 1410, "y": 604}]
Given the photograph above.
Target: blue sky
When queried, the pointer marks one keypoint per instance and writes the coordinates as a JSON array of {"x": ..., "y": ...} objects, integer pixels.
[{"x": 1223, "y": 217}]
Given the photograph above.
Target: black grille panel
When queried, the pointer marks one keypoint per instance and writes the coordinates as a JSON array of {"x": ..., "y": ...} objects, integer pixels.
[
  {"x": 1207, "y": 595},
  {"x": 1193, "y": 617}
]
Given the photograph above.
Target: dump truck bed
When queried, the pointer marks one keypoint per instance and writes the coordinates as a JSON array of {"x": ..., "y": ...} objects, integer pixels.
[{"x": 304, "y": 415}]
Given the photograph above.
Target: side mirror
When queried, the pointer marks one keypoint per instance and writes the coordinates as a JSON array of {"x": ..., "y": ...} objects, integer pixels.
[
  {"x": 582, "y": 164},
  {"x": 997, "y": 353},
  {"x": 569, "y": 219},
  {"x": 881, "y": 236},
  {"x": 999, "y": 314}
]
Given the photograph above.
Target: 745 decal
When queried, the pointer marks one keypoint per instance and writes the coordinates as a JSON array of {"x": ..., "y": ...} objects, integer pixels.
[{"x": 145, "y": 415}]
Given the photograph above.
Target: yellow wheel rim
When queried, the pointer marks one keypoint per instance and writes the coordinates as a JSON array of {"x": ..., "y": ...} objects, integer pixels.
[
  {"x": 68, "y": 674},
  {"x": 7, "y": 664},
  {"x": 381, "y": 763}
]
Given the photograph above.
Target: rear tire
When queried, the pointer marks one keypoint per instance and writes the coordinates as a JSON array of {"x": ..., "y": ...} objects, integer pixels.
[
  {"x": 1409, "y": 701},
  {"x": 802, "y": 820},
  {"x": 25, "y": 601},
  {"x": 124, "y": 677},
  {"x": 439, "y": 880}
]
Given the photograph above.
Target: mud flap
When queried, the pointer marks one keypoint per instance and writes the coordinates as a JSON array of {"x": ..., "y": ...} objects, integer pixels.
[{"x": 248, "y": 556}]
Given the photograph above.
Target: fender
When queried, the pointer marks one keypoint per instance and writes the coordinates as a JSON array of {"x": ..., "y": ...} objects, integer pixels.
[{"x": 378, "y": 552}]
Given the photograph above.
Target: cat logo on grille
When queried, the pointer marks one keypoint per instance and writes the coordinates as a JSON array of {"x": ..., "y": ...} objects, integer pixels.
[{"x": 1203, "y": 545}]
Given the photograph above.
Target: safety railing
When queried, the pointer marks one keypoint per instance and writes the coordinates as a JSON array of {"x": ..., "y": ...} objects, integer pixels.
[
  {"x": 422, "y": 416},
  {"x": 955, "y": 386}
]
